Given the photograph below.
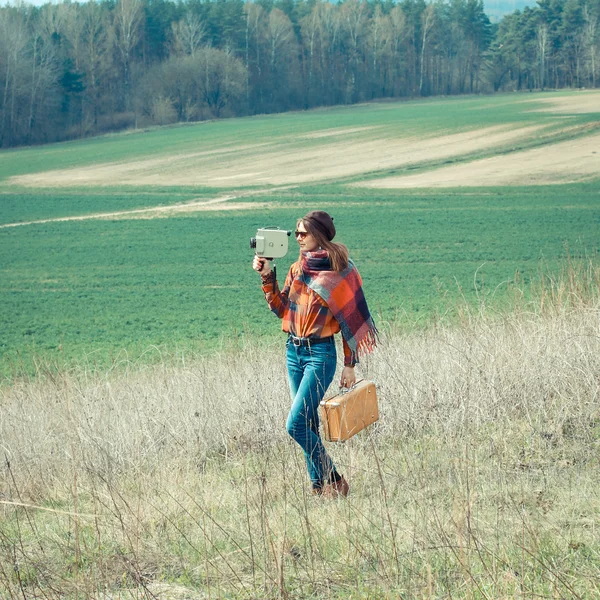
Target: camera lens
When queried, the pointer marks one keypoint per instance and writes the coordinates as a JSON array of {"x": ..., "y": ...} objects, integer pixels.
[{"x": 252, "y": 242}]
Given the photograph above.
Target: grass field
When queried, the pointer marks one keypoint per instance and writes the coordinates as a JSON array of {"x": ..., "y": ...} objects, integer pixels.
[
  {"x": 100, "y": 288},
  {"x": 143, "y": 389},
  {"x": 135, "y": 284}
]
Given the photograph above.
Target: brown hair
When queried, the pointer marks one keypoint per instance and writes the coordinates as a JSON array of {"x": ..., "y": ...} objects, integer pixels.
[{"x": 338, "y": 253}]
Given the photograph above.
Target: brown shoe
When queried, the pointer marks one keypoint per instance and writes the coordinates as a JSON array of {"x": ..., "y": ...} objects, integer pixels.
[{"x": 336, "y": 489}]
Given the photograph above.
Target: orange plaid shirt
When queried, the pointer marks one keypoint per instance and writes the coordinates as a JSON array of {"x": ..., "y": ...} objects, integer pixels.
[{"x": 302, "y": 311}]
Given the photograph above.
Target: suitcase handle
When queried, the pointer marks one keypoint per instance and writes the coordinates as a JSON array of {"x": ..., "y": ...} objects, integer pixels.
[{"x": 345, "y": 390}]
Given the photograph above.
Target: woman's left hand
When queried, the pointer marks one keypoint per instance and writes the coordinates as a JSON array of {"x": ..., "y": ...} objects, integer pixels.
[{"x": 348, "y": 378}]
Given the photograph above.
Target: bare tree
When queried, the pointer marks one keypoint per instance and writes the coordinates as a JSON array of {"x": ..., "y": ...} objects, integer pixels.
[
  {"x": 254, "y": 37},
  {"x": 332, "y": 67},
  {"x": 590, "y": 36},
  {"x": 398, "y": 34},
  {"x": 283, "y": 60},
  {"x": 187, "y": 35},
  {"x": 310, "y": 36},
  {"x": 72, "y": 29},
  {"x": 13, "y": 42},
  {"x": 541, "y": 35},
  {"x": 280, "y": 33},
  {"x": 94, "y": 60},
  {"x": 44, "y": 68},
  {"x": 223, "y": 79},
  {"x": 51, "y": 22},
  {"x": 127, "y": 19},
  {"x": 354, "y": 18},
  {"x": 380, "y": 34},
  {"x": 427, "y": 19}
]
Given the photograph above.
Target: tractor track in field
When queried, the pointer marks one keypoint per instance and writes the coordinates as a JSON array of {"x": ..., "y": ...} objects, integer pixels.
[{"x": 218, "y": 203}]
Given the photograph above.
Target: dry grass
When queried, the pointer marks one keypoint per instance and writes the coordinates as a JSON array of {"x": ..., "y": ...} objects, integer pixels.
[
  {"x": 178, "y": 481},
  {"x": 584, "y": 102},
  {"x": 570, "y": 161},
  {"x": 286, "y": 161}
]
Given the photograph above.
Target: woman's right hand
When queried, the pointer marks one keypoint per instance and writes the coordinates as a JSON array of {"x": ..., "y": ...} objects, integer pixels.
[{"x": 261, "y": 265}]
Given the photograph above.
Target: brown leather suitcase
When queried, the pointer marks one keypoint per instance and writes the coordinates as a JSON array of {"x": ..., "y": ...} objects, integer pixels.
[{"x": 349, "y": 412}]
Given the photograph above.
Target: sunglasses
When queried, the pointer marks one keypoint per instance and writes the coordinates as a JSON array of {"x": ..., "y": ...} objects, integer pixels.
[{"x": 301, "y": 234}]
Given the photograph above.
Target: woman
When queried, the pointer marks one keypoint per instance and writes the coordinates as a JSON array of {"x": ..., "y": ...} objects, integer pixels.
[{"x": 322, "y": 295}]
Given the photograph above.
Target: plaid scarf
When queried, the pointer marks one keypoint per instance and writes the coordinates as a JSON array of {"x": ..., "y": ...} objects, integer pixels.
[{"x": 342, "y": 291}]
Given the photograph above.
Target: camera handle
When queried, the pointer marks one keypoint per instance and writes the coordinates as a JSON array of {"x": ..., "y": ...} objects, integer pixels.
[{"x": 273, "y": 268}]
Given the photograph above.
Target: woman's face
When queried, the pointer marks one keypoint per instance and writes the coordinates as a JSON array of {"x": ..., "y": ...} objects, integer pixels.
[{"x": 305, "y": 240}]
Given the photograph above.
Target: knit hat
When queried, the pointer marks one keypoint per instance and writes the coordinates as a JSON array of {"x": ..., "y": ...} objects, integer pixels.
[{"x": 321, "y": 221}]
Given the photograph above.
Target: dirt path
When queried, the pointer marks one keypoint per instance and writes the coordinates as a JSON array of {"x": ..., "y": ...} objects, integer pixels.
[{"x": 220, "y": 203}]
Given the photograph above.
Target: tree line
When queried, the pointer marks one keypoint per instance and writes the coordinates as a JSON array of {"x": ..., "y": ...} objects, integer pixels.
[{"x": 74, "y": 69}]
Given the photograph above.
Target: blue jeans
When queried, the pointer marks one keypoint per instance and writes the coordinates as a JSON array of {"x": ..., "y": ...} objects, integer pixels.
[{"x": 310, "y": 371}]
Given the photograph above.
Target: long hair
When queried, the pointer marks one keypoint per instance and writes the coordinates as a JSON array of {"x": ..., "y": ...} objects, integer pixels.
[{"x": 338, "y": 253}]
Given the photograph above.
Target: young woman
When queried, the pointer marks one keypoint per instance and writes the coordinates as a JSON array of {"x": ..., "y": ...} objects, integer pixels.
[{"x": 322, "y": 295}]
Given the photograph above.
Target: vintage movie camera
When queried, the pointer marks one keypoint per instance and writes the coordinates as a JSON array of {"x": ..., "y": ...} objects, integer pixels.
[{"x": 271, "y": 243}]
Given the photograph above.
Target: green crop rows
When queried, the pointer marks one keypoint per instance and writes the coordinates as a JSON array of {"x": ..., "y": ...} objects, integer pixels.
[{"x": 103, "y": 286}]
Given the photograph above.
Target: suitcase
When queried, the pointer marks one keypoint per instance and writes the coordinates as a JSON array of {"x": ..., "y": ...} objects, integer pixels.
[{"x": 349, "y": 412}]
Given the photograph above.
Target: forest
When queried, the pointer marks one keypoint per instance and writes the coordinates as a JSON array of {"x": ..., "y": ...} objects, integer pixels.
[{"x": 71, "y": 70}]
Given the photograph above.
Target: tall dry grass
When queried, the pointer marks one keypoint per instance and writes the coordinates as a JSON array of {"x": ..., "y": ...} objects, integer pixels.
[{"x": 179, "y": 481}]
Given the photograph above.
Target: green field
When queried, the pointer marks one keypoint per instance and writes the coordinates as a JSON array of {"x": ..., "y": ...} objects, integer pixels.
[{"x": 99, "y": 290}]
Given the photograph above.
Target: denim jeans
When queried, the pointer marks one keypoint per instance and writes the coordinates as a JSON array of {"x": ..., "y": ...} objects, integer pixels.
[{"x": 310, "y": 371}]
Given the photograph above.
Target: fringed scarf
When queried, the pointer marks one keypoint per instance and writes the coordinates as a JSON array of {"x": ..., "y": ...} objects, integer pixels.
[{"x": 342, "y": 291}]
